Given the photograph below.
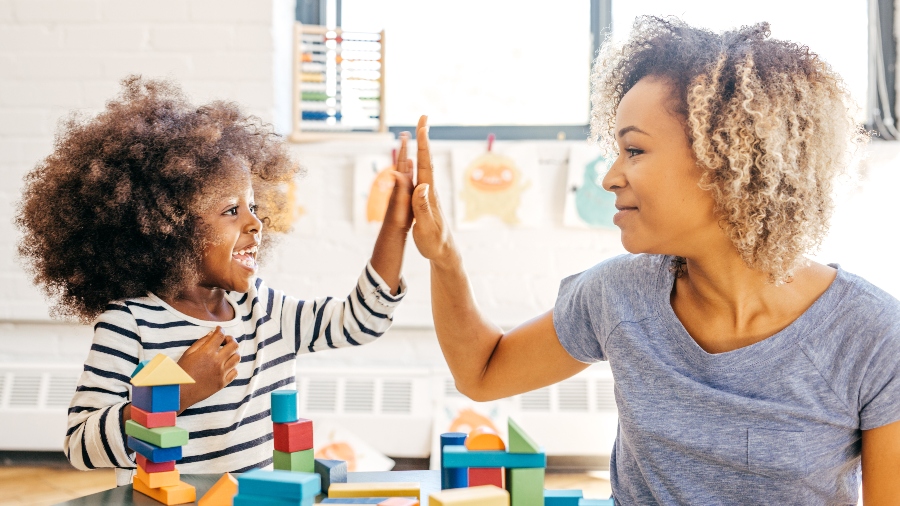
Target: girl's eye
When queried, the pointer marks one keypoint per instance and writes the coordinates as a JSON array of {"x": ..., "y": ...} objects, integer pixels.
[
  {"x": 254, "y": 208},
  {"x": 231, "y": 211},
  {"x": 632, "y": 152}
]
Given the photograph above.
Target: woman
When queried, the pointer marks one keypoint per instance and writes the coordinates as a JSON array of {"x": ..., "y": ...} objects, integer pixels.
[{"x": 744, "y": 372}]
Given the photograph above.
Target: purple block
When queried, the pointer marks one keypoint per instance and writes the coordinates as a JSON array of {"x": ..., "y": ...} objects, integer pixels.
[{"x": 156, "y": 399}]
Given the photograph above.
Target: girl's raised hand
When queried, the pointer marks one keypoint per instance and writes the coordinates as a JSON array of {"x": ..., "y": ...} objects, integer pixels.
[
  {"x": 430, "y": 232},
  {"x": 399, "y": 213}
]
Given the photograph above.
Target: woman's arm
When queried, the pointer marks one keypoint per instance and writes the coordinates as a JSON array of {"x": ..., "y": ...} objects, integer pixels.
[
  {"x": 486, "y": 362},
  {"x": 881, "y": 465},
  {"x": 387, "y": 256}
]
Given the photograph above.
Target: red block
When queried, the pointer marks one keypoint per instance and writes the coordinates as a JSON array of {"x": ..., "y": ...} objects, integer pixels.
[
  {"x": 294, "y": 436},
  {"x": 154, "y": 467},
  {"x": 486, "y": 476},
  {"x": 153, "y": 420}
]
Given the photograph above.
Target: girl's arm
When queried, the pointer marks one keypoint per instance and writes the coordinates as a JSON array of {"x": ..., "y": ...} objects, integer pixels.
[
  {"x": 486, "y": 362},
  {"x": 387, "y": 256},
  {"x": 881, "y": 465}
]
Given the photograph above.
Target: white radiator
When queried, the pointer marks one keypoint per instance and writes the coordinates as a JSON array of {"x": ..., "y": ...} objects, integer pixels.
[{"x": 34, "y": 399}]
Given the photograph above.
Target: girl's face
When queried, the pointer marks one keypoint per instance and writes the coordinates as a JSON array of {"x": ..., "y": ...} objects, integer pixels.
[
  {"x": 229, "y": 259},
  {"x": 655, "y": 177}
]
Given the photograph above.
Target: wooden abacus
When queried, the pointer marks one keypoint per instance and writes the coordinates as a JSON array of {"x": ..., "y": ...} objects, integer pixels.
[{"x": 338, "y": 87}]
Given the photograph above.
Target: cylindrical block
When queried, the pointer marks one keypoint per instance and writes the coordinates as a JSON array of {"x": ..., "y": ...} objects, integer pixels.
[
  {"x": 453, "y": 478},
  {"x": 284, "y": 406}
]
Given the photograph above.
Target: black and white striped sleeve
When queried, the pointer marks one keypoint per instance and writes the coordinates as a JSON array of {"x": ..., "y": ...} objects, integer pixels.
[
  {"x": 94, "y": 436},
  {"x": 360, "y": 318}
]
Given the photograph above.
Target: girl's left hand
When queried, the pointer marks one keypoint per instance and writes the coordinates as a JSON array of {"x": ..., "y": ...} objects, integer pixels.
[{"x": 399, "y": 211}]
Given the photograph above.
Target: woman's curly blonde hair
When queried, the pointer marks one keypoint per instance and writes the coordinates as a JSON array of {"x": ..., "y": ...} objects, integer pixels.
[{"x": 770, "y": 123}]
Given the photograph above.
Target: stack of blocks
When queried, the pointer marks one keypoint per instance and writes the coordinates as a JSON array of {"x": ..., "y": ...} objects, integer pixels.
[
  {"x": 293, "y": 435},
  {"x": 152, "y": 434},
  {"x": 277, "y": 488}
]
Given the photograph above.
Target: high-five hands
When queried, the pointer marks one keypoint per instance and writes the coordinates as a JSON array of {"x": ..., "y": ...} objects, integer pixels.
[{"x": 430, "y": 234}]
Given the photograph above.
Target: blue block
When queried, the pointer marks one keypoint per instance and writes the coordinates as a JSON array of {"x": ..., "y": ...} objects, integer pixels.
[
  {"x": 562, "y": 497},
  {"x": 284, "y": 406},
  {"x": 285, "y": 484},
  {"x": 139, "y": 367},
  {"x": 261, "y": 500},
  {"x": 154, "y": 453},
  {"x": 453, "y": 478},
  {"x": 157, "y": 399},
  {"x": 354, "y": 500},
  {"x": 460, "y": 456},
  {"x": 596, "y": 502},
  {"x": 331, "y": 471}
]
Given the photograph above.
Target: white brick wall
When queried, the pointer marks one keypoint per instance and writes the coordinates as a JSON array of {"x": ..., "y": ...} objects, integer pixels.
[{"x": 61, "y": 55}]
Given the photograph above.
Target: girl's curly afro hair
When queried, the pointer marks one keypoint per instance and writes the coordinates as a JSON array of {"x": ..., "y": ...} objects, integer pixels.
[
  {"x": 114, "y": 211},
  {"x": 770, "y": 123}
]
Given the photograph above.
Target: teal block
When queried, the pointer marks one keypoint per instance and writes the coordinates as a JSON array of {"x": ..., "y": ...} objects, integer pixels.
[
  {"x": 460, "y": 456},
  {"x": 331, "y": 471},
  {"x": 139, "y": 367},
  {"x": 261, "y": 500},
  {"x": 285, "y": 484},
  {"x": 596, "y": 502},
  {"x": 284, "y": 406},
  {"x": 562, "y": 497}
]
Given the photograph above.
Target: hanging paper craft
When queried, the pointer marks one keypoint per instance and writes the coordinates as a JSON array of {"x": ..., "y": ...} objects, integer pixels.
[
  {"x": 588, "y": 205},
  {"x": 372, "y": 187},
  {"x": 496, "y": 186}
]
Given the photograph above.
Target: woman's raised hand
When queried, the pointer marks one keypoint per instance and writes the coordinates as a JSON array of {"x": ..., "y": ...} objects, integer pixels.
[{"x": 430, "y": 231}]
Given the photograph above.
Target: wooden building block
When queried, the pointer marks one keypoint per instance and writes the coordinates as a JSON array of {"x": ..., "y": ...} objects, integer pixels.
[
  {"x": 486, "y": 476},
  {"x": 400, "y": 501},
  {"x": 140, "y": 366},
  {"x": 486, "y": 495},
  {"x": 261, "y": 500},
  {"x": 525, "y": 486},
  {"x": 453, "y": 477},
  {"x": 303, "y": 462},
  {"x": 293, "y": 436},
  {"x": 562, "y": 497},
  {"x": 161, "y": 370},
  {"x": 153, "y": 420},
  {"x": 156, "y": 480},
  {"x": 222, "y": 493},
  {"x": 460, "y": 456},
  {"x": 156, "y": 399},
  {"x": 154, "y": 453},
  {"x": 163, "y": 437},
  {"x": 384, "y": 489},
  {"x": 356, "y": 500},
  {"x": 283, "y": 484},
  {"x": 596, "y": 502},
  {"x": 484, "y": 438},
  {"x": 178, "y": 494},
  {"x": 519, "y": 441},
  {"x": 284, "y": 406},
  {"x": 331, "y": 471},
  {"x": 153, "y": 467}
]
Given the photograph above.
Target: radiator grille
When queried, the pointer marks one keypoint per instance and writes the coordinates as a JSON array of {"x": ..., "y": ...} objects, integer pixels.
[
  {"x": 321, "y": 395},
  {"x": 396, "y": 397},
  {"x": 60, "y": 391},
  {"x": 573, "y": 396},
  {"x": 26, "y": 389},
  {"x": 537, "y": 400},
  {"x": 359, "y": 396}
]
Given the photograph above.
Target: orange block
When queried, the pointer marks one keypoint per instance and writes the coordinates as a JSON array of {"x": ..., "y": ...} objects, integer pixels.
[
  {"x": 222, "y": 493},
  {"x": 156, "y": 480},
  {"x": 484, "y": 438},
  {"x": 178, "y": 494}
]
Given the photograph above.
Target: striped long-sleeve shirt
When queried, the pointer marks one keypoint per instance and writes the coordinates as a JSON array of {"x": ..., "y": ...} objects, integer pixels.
[{"x": 231, "y": 431}]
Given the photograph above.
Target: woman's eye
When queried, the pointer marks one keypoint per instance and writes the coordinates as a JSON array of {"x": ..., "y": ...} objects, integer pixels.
[{"x": 633, "y": 152}]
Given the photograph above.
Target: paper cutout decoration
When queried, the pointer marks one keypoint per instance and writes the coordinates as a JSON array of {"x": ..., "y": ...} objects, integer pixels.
[
  {"x": 373, "y": 184},
  {"x": 161, "y": 370},
  {"x": 332, "y": 442},
  {"x": 588, "y": 205},
  {"x": 495, "y": 186}
]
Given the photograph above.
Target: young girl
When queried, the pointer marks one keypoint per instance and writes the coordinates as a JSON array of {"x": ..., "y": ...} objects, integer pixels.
[
  {"x": 153, "y": 216},
  {"x": 745, "y": 374}
]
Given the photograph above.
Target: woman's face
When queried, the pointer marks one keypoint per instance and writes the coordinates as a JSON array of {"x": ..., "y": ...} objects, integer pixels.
[
  {"x": 655, "y": 177},
  {"x": 229, "y": 259}
]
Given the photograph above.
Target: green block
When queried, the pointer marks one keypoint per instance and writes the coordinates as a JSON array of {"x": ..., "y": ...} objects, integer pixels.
[
  {"x": 525, "y": 486},
  {"x": 302, "y": 461},
  {"x": 163, "y": 437},
  {"x": 519, "y": 442}
]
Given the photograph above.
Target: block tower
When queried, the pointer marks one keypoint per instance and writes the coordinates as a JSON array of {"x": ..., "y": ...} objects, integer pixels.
[
  {"x": 152, "y": 434},
  {"x": 293, "y": 435}
]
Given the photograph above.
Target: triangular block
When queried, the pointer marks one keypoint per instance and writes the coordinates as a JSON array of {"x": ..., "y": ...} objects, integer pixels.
[
  {"x": 222, "y": 493},
  {"x": 519, "y": 441},
  {"x": 161, "y": 370}
]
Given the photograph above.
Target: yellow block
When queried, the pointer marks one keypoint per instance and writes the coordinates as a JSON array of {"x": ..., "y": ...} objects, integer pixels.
[
  {"x": 161, "y": 370},
  {"x": 383, "y": 489},
  {"x": 222, "y": 493},
  {"x": 156, "y": 480},
  {"x": 179, "y": 494},
  {"x": 485, "y": 495}
]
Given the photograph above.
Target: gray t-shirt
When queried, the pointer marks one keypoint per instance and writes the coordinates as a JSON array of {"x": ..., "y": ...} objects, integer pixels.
[{"x": 776, "y": 422}]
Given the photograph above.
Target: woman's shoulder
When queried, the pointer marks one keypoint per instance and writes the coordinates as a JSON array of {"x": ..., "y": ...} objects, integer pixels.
[
  {"x": 626, "y": 272},
  {"x": 625, "y": 287}
]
